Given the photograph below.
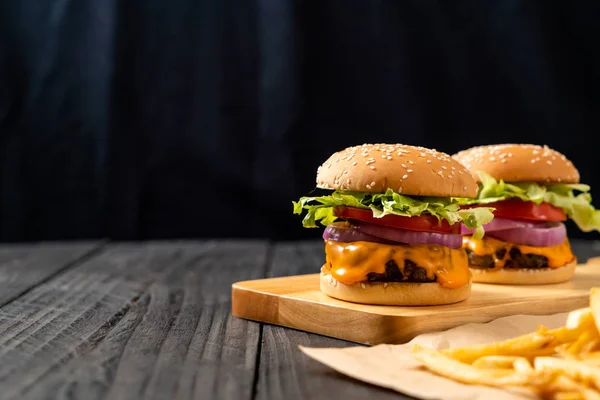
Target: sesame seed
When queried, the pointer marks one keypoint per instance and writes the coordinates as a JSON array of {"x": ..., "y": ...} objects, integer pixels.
[
  {"x": 465, "y": 188},
  {"x": 428, "y": 161},
  {"x": 503, "y": 161},
  {"x": 422, "y": 154},
  {"x": 449, "y": 176},
  {"x": 532, "y": 161},
  {"x": 403, "y": 165},
  {"x": 549, "y": 162},
  {"x": 368, "y": 186},
  {"x": 383, "y": 156},
  {"x": 453, "y": 168},
  {"x": 389, "y": 157},
  {"x": 404, "y": 176},
  {"x": 440, "y": 173},
  {"x": 354, "y": 163},
  {"x": 536, "y": 152},
  {"x": 399, "y": 190},
  {"x": 444, "y": 167},
  {"x": 409, "y": 170},
  {"x": 372, "y": 167},
  {"x": 345, "y": 171},
  {"x": 510, "y": 154},
  {"x": 373, "y": 183},
  {"x": 362, "y": 285},
  {"x": 410, "y": 162},
  {"x": 492, "y": 158}
]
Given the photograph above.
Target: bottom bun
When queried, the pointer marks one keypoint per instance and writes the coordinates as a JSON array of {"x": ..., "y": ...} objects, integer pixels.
[
  {"x": 525, "y": 276},
  {"x": 394, "y": 293}
]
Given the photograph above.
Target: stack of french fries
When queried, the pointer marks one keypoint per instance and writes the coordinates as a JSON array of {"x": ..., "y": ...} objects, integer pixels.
[{"x": 558, "y": 364}]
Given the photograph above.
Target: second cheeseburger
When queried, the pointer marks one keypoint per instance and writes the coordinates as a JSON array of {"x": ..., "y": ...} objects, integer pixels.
[
  {"x": 532, "y": 190},
  {"x": 393, "y": 226}
]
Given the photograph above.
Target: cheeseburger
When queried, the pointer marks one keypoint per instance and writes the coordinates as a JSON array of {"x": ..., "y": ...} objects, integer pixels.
[
  {"x": 393, "y": 226},
  {"x": 532, "y": 190}
]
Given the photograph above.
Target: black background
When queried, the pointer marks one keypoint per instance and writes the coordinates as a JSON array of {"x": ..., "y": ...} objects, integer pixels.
[{"x": 152, "y": 119}]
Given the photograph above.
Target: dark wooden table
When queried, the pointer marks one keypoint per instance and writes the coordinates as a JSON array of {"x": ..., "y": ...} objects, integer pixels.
[{"x": 153, "y": 320}]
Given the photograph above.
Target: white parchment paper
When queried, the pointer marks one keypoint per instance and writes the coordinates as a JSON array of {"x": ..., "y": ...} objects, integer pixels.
[{"x": 393, "y": 367}]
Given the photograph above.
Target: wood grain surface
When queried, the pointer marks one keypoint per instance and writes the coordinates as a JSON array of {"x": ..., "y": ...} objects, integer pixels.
[
  {"x": 153, "y": 321},
  {"x": 137, "y": 321},
  {"x": 21, "y": 268}
]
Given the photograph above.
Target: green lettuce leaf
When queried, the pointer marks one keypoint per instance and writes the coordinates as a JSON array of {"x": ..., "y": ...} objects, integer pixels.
[
  {"x": 576, "y": 207},
  {"x": 320, "y": 209}
]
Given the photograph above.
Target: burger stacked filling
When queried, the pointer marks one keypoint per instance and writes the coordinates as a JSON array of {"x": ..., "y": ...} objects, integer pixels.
[{"x": 391, "y": 237}]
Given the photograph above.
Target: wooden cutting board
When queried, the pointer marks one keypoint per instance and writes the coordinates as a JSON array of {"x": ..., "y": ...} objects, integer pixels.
[{"x": 297, "y": 302}]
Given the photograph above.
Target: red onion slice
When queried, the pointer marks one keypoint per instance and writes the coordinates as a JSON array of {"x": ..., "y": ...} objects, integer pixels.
[
  {"x": 454, "y": 241},
  {"x": 499, "y": 224},
  {"x": 340, "y": 232},
  {"x": 552, "y": 235}
]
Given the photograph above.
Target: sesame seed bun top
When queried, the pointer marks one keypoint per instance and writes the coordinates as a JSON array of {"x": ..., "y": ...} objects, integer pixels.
[
  {"x": 405, "y": 169},
  {"x": 519, "y": 163}
]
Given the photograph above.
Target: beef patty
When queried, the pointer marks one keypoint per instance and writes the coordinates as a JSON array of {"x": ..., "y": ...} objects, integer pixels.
[
  {"x": 516, "y": 259},
  {"x": 412, "y": 273}
]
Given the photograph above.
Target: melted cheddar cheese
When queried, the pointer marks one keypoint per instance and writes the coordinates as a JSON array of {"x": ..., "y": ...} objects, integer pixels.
[
  {"x": 558, "y": 256},
  {"x": 350, "y": 263}
]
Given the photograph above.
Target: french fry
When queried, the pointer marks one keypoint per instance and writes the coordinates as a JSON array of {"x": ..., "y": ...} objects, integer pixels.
[
  {"x": 540, "y": 343},
  {"x": 519, "y": 364},
  {"x": 570, "y": 368},
  {"x": 566, "y": 335},
  {"x": 585, "y": 338},
  {"x": 563, "y": 351},
  {"x": 565, "y": 384},
  {"x": 516, "y": 346},
  {"x": 590, "y": 346},
  {"x": 451, "y": 368},
  {"x": 595, "y": 306},
  {"x": 562, "y": 387},
  {"x": 567, "y": 396},
  {"x": 497, "y": 362},
  {"x": 522, "y": 365},
  {"x": 579, "y": 317}
]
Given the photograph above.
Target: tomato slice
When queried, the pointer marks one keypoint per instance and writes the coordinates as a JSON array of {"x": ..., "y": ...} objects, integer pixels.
[
  {"x": 424, "y": 223},
  {"x": 519, "y": 209}
]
